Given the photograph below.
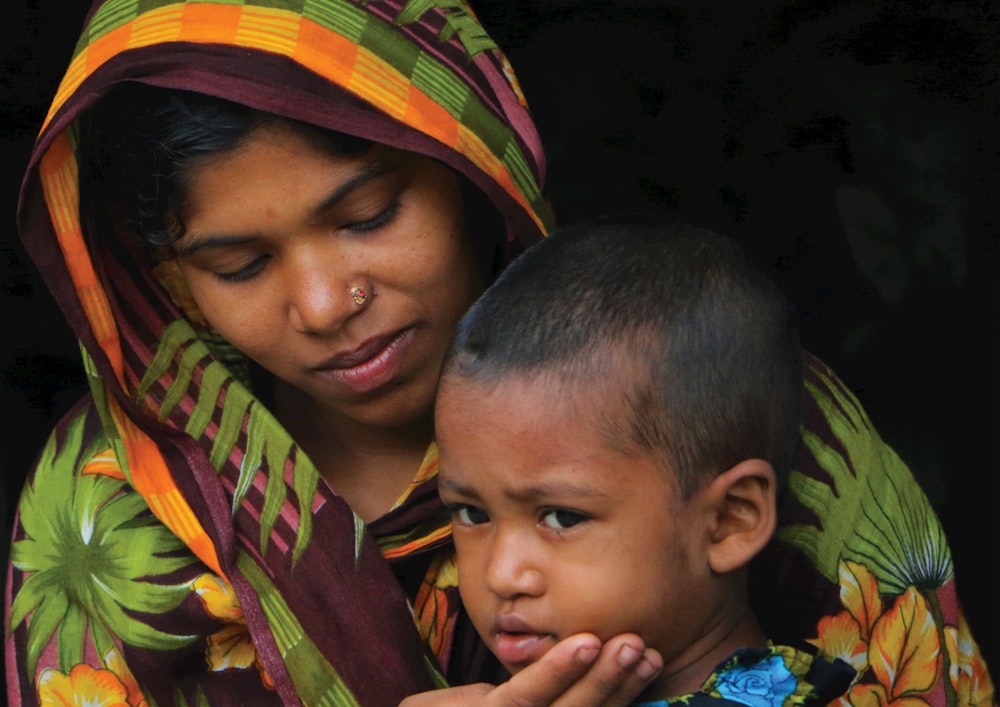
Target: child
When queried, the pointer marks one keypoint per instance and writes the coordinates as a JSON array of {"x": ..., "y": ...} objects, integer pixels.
[{"x": 615, "y": 418}]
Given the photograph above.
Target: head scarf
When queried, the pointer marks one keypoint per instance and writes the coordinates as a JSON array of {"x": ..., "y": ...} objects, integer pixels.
[{"x": 178, "y": 433}]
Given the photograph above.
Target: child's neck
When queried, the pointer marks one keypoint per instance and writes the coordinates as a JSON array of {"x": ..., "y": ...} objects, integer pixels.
[{"x": 687, "y": 671}]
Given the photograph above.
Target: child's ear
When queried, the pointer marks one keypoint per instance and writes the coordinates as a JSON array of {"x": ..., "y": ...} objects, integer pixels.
[{"x": 744, "y": 513}]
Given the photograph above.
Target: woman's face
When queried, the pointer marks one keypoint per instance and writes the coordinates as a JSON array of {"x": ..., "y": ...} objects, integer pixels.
[{"x": 277, "y": 232}]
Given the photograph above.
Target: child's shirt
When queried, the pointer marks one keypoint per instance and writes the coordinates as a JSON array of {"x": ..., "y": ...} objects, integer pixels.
[{"x": 767, "y": 677}]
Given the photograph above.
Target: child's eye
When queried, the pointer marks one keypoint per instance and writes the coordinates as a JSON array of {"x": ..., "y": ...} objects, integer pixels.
[
  {"x": 561, "y": 519},
  {"x": 469, "y": 515}
]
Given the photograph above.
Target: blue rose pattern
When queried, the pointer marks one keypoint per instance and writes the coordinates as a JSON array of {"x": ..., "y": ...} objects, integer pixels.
[
  {"x": 764, "y": 684},
  {"x": 766, "y": 678}
]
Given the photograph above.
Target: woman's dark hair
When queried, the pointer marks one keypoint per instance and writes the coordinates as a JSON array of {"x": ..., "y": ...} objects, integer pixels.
[{"x": 138, "y": 144}]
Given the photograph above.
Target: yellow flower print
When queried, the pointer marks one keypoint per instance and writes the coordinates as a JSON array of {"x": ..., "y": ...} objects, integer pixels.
[
  {"x": 859, "y": 595},
  {"x": 846, "y": 635},
  {"x": 231, "y": 647},
  {"x": 875, "y": 696},
  {"x": 84, "y": 685},
  {"x": 900, "y": 644},
  {"x": 905, "y": 653},
  {"x": 219, "y": 598},
  {"x": 434, "y": 617},
  {"x": 116, "y": 664},
  {"x": 968, "y": 672},
  {"x": 840, "y": 637}
]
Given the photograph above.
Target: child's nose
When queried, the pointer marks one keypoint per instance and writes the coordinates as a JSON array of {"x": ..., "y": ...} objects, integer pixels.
[{"x": 514, "y": 568}]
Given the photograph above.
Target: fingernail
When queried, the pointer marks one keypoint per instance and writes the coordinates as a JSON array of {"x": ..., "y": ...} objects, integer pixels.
[
  {"x": 646, "y": 669},
  {"x": 586, "y": 654},
  {"x": 627, "y": 656}
]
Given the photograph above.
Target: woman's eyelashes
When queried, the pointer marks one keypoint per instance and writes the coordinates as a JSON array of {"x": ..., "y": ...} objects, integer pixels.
[
  {"x": 383, "y": 218},
  {"x": 368, "y": 225},
  {"x": 245, "y": 273}
]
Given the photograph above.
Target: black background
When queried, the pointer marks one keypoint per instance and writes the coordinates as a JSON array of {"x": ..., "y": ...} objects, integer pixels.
[{"x": 853, "y": 146}]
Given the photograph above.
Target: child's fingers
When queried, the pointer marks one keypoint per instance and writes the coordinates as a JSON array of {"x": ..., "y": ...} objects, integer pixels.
[{"x": 576, "y": 672}]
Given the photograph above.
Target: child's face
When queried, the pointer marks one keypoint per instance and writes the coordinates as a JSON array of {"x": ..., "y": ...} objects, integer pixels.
[{"x": 557, "y": 533}]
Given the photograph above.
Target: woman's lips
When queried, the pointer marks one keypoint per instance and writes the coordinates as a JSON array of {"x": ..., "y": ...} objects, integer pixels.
[{"x": 371, "y": 365}]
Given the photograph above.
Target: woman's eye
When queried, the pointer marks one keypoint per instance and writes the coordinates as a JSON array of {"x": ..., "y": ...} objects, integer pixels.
[
  {"x": 469, "y": 515},
  {"x": 384, "y": 217},
  {"x": 245, "y": 273},
  {"x": 561, "y": 519}
]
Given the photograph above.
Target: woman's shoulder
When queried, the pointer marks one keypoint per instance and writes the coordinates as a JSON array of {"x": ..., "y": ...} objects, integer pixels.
[{"x": 861, "y": 567}]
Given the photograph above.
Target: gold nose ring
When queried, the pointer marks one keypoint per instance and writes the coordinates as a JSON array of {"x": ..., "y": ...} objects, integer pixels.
[{"x": 359, "y": 295}]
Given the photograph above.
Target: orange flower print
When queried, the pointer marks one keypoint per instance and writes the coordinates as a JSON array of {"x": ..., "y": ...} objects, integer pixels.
[
  {"x": 905, "y": 652},
  {"x": 840, "y": 637},
  {"x": 84, "y": 685},
  {"x": 116, "y": 664},
  {"x": 859, "y": 595},
  {"x": 113, "y": 686},
  {"x": 434, "y": 617},
  {"x": 231, "y": 646},
  {"x": 900, "y": 645},
  {"x": 104, "y": 463},
  {"x": 968, "y": 674},
  {"x": 875, "y": 696},
  {"x": 219, "y": 599},
  {"x": 846, "y": 635}
]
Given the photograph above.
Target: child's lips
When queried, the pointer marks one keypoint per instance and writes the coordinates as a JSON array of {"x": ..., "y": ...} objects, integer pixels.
[{"x": 517, "y": 644}]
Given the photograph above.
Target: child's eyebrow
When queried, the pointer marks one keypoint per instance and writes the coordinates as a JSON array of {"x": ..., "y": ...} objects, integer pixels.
[
  {"x": 557, "y": 488},
  {"x": 561, "y": 488}
]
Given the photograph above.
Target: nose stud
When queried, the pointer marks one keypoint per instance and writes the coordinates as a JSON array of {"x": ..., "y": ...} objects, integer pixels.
[{"x": 359, "y": 294}]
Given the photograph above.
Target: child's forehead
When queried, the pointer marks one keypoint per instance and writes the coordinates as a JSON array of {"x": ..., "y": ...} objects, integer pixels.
[{"x": 573, "y": 430}]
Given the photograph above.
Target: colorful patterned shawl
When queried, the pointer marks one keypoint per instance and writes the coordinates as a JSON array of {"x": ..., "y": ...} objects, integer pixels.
[{"x": 174, "y": 545}]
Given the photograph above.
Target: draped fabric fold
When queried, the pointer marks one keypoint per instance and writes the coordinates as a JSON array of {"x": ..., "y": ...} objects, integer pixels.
[{"x": 174, "y": 544}]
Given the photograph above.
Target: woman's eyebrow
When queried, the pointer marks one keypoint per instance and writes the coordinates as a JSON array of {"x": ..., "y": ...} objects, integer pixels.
[
  {"x": 188, "y": 246},
  {"x": 369, "y": 171}
]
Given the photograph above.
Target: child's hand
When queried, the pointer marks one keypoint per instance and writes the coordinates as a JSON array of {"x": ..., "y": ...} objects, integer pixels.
[{"x": 576, "y": 672}]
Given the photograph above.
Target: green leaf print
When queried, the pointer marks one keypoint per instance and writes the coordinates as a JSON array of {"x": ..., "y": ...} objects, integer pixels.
[
  {"x": 458, "y": 20},
  {"x": 92, "y": 554},
  {"x": 878, "y": 517},
  {"x": 267, "y": 442}
]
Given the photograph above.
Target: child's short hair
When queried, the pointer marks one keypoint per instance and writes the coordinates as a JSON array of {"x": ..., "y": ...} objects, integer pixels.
[{"x": 676, "y": 321}]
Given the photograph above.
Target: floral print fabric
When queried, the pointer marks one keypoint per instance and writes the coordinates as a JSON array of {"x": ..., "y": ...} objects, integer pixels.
[
  {"x": 174, "y": 545},
  {"x": 769, "y": 677}
]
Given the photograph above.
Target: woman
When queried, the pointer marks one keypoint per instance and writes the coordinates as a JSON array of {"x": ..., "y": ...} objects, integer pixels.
[{"x": 244, "y": 510}]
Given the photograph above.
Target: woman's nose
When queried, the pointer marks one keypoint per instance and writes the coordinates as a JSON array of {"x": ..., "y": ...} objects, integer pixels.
[
  {"x": 513, "y": 568},
  {"x": 319, "y": 295}
]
